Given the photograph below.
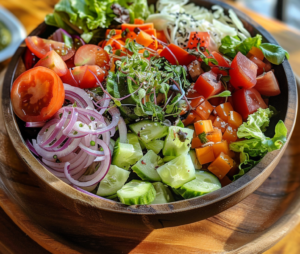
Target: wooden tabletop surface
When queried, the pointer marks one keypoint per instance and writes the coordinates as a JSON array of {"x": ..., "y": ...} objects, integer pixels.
[{"x": 32, "y": 12}]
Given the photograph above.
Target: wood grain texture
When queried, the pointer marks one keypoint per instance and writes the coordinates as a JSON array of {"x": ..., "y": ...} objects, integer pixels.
[{"x": 231, "y": 231}]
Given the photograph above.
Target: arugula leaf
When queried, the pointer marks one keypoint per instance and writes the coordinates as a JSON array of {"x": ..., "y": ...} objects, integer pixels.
[
  {"x": 257, "y": 145},
  {"x": 202, "y": 137},
  {"x": 226, "y": 93},
  {"x": 274, "y": 53},
  {"x": 231, "y": 45}
]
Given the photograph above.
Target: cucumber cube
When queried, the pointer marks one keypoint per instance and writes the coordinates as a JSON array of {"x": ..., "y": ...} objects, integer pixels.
[{"x": 178, "y": 171}]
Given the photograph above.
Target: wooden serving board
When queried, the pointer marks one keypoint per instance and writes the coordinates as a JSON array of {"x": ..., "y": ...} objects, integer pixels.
[{"x": 252, "y": 226}]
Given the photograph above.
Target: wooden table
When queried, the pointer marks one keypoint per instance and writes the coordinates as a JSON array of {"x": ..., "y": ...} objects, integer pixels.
[{"x": 31, "y": 13}]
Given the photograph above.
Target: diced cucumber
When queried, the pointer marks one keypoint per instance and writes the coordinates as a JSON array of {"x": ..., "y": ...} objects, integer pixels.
[
  {"x": 204, "y": 183},
  {"x": 113, "y": 181},
  {"x": 142, "y": 144},
  {"x": 178, "y": 141},
  {"x": 148, "y": 130},
  {"x": 125, "y": 161},
  {"x": 146, "y": 167},
  {"x": 168, "y": 158},
  {"x": 195, "y": 161},
  {"x": 163, "y": 194},
  {"x": 155, "y": 145},
  {"x": 122, "y": 154},
  {"x": 178, "y": 171},
  {"x": 113, "y": 197},
  {"x": 137, "y": 192}
]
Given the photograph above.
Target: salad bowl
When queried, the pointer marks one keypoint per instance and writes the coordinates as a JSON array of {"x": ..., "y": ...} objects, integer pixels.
[{"x": 106, "y": 211}]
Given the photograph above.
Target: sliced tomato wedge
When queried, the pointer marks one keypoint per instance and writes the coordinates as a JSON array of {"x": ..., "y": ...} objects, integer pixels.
[
  {"x": 243, "y": 72},
  {"x": 267, "y": 84},
  {"x": 207, "y": 84},
  {"x": 92, "y": 55},
  {"x": 81, "y": 76},
  {"x": 30, "y": 59},
  {"x": 70, "y": 62},
  {"x": 37, "y": 94},
  {"x": 260, "y": 65},
  {"x": 246, "y": 102},
  {"x": 54, "y": 62},
  {"x": 40, "y": 47},
  {"x": 176, "y": 55},
  {"x": 221, "y": 62}
]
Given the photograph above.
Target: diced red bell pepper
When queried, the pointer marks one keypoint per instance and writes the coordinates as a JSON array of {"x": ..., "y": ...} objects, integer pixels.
[{"x": 176, "y": 55}]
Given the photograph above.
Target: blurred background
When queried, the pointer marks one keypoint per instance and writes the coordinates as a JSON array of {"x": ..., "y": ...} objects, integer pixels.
[{"x": 287, "y": 11}]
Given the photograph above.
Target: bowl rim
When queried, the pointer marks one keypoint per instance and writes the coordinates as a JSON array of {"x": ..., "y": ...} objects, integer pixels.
[{"x": 47, "y": 178}]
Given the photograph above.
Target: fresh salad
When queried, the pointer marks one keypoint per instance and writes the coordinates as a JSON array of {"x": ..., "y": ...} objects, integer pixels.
[{"x": 147, "y": 105}]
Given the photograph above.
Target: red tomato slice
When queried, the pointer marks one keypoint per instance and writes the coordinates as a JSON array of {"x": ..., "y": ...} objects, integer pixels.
[
  {"x": 207, "y": 84},
  {"x": 268, "y": 66},
  {"x": 80, "y": 76},
  {"x": 40, "y": 47},
  {"x": 30, "y": 59},
  {"x": 246, "y": 102},
  {"x": 54, "y": 62},
  {"x": 37, "y": 94},
  {"x": 176, "y": 55},
  {"x": 70, "y": 62},
  {"x": 243, "y": 72},
  {"x": 260, "y": 64},
  {"x": 92, "y": 55},
  {"x": 221, "y": 62},
  {"x": 198, "y": 37},
  {"x": 267, "y": 84}
]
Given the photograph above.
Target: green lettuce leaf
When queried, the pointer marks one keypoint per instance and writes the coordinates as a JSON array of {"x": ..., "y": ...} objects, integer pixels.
[
  {"x": 274, "y": 53},
  {"x": 88, "y": 17},
  {"x": 256, "y": 145},
  {"x": 231, "y": 45}
]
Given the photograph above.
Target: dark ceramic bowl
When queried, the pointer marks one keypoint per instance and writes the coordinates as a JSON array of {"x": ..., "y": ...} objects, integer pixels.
[{"x": 163, "y": 215}]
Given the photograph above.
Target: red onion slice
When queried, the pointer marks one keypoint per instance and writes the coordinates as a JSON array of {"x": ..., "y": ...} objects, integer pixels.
[
  {"x": 80, "y": 95},
  {"x": 98, "y": 175},
  {"x": 34, "y": 124}
]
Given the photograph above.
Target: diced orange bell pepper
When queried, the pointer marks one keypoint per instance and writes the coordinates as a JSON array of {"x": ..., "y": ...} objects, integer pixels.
[
  {"x": 131, "y": 35},
  {"x": 196, "y": 143},
  {"x": 203, "y": 126},
  {"x": 225, "y": 181},
  {"x": 190, "y": 119},
  {"x": 203, "y": 107},
  {"x": 139, "y": 21},
  {"x": 219, "y": 123},
  {"x": 205, "y": 154},
  {"x": 235, "y": 120},
  {"x": 131, "y": 27},
  {"x": 223, "y": 110},
  {"x": 161, "y": 36},
  {"x": 152, "y": 33},
  {"x": 144, "y": 39},
  {"x": 215, "y": 135},
  {"x": 230, "y": 134},
  {"x": 211, "y": 118},
  {"x": 221, "y": 147},
  {"x": 221, "y": 165},
  {"x": 257, "y": 53}
]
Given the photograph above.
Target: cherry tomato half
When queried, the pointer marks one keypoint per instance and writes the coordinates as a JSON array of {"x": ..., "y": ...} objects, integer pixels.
[
  {"x": 40, "y": 47},
  {"x": 30, "y": 59},
  {"x": 246, "y": 102},
  {"x": 37, "y": 94},
  {"x": 92, "y": 55},
  {"x": 243, "y": 72},
  {"x": 54, "y": 62},
  {"x": 81, "y": 76}
]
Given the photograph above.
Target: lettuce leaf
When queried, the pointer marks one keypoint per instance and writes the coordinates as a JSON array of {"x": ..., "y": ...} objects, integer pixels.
[
  {"x": 88, "y": 17},
  {"x": 256, "y": 145},
  {"x": 230, "y": 45}
]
